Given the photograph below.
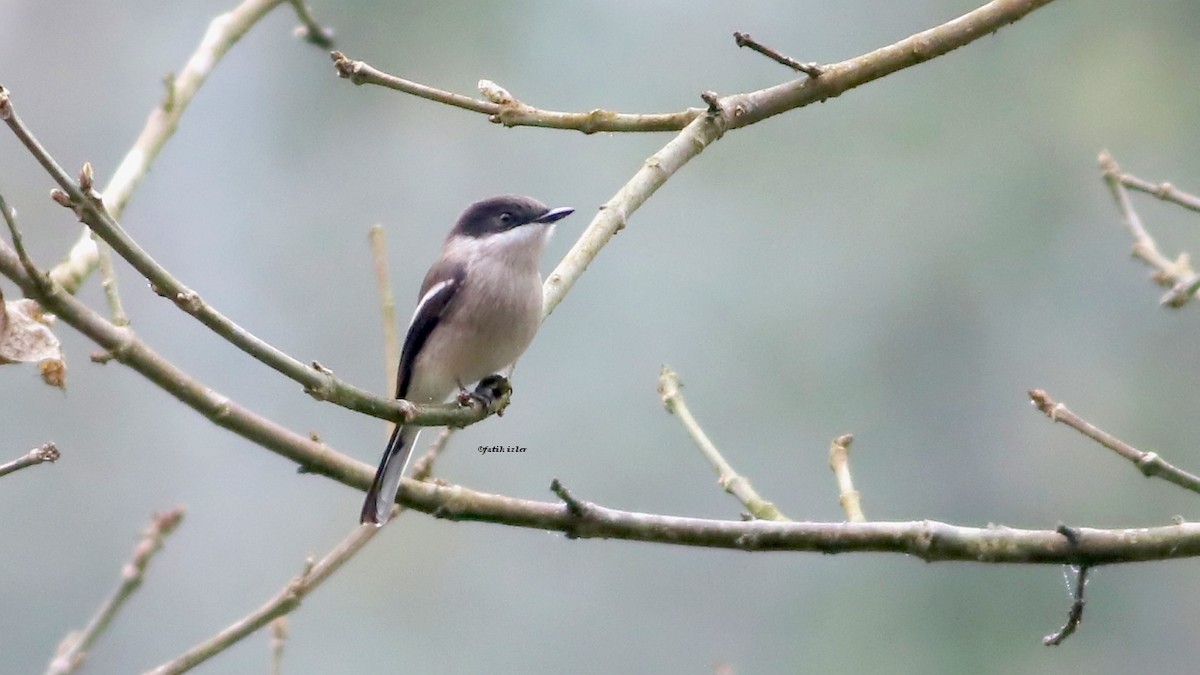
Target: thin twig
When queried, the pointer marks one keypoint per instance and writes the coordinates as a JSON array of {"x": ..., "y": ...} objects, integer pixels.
[
  {"x": 1075, "y": 614},
  {"x": 1164, "y": 191},
  {"x": 839, "y": 461},
  {"x": 108, "y": 282},
  {"x": 507, "y": 110},
  {"x": 1149, "y": 463},
  {"x": 1175, "y": 274},
  {"x": 223, "y": 32},
  {"x": 282, "y": 604},
  {"x": 730, "y": 481},
  {"x": 279, "y": 635},
  {"x": 575, "y": 507},
  {"x": 309, "y": 29},
  {"x": 108, "y": 276},
  {"x": 47, "y": 453},
  {"x": 74, "y": 648},
  {"x": 387, "y": 307},
  {"x": 744, "y": 40},
  {"x": 40, "y": 282}
]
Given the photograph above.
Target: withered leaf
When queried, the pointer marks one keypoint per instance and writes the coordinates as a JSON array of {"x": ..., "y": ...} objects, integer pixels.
[{"x": 25, "y": 337}]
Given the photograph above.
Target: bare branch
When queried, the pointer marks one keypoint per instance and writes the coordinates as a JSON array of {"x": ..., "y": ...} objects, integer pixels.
[
  {"x": 387, "y": 307},
  {"x": 10, "y": 219},
  {"x": 839, "y": 461},
  {"x": 747, "y": 108},
  {"x": 108, "y": 276},
  {"x": 108, "y": 281},
  {"x": 741, "y": 110},
  {"x": 223, "y": 32},
  {"x": 1149, "y": 463},
  {"x": 279, "y": 635},
  {"x": 744, "y": 40},
  {"x": 502, "y": 108},
  {"x": 47, "y": 453},
  {"x": 282, "y": 604},
  {"x": 1075, "y": 614},
  {"x": 1164, "y": 191},
  {"x": 1175, "y": 274},
  {"x": 309, "y": 29},
  {"x": 730, "y": 481},
  {"x": 74, "y": 648}
]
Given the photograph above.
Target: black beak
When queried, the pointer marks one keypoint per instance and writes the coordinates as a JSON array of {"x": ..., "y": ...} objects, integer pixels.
[{"x": 554, "y": 215}]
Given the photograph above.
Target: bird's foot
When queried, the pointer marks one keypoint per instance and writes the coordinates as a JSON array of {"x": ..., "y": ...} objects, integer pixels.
[{"x": 488, "y": 392}]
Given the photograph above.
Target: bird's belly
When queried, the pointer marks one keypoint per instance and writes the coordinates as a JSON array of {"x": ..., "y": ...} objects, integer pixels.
[{"x": 462, "y": 351}]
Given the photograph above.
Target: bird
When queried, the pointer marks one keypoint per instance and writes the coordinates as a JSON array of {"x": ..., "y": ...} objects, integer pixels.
[{"x": 477, "y": 311}]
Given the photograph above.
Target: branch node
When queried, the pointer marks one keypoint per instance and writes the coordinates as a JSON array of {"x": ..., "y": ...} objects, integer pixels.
[
  {"x": 1149, "y": 463},
  {"x": 86, "y": 177},
  {"x": 188, "y": 300},
  {"x": 61, "y": 198},
  {"x": 839, "y": 462},
  {"x": 169, "y": 93},
  {"x": 575, "y": 507},
  {"x": 48, "y": 452},
  {"x": 495, "y": 93},
  {"x": 1071, "y": 534},
  {"x": 309, "y": 29},
  {"x": 346, "y": 67},
  {"x": 744, "y": 40}
]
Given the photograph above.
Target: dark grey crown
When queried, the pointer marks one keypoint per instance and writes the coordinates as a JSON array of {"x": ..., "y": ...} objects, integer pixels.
[{"x": 502, "y": 213}]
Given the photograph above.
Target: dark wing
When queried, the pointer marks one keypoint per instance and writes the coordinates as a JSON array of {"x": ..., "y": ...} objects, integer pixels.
[{"x": 442, "y": 284}]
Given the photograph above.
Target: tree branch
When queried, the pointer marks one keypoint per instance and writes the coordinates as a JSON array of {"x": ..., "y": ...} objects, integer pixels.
[
  {"x": 1149, "y": 463},
  {"x": 928, "y": 540},
  {"x": 839, "y": 462},
  {"x": 279, "y": 635},
  {"x": 282, "y": 604},
  {"x": 1164, "y": 191},
  {"x": 744, "y": 40},
  {"x": 1177, "y": 275},
  {"x": 502, "y": 108},
  {"x": 387, "y": 306},
  {"x": 312, "y": 32},
  {"x": 744, "y": 109},
  {"x": 730, "y": 481},
  {"x": 48, "y": 452},
  {"x": 223, "y": 32},
  {"x": 1075, "y": 614},
  {"x": 747, "y": 108},
  {"x": 74, "y": 648}
]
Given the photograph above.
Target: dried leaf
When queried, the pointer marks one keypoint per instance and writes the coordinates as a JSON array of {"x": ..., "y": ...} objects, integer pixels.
[{"x": 25, "y": 337}]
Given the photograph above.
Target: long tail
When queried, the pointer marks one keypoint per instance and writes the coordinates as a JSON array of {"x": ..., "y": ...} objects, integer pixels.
[{"x": 381, "y": 496}]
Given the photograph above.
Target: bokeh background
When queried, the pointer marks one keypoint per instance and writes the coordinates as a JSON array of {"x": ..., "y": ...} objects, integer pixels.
[{"x": 902, "y": 262}]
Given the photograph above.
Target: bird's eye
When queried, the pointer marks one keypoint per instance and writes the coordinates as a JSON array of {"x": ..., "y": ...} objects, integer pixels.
[{"x": 506, "y": 217}]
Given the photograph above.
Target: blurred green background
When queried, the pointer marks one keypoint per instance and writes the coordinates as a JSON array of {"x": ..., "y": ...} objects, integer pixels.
[{"x": 902, "y": 262}]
